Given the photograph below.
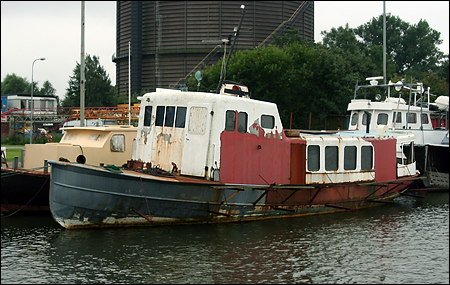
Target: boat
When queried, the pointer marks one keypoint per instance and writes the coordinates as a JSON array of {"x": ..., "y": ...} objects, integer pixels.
[
  {"x": 224, "y": 157},
  {"x": 203, "y": 157},
  {"x": 433, "y": 159},
  {"x": 427, "y": 121},
  {"x": 27, "y": 188}
]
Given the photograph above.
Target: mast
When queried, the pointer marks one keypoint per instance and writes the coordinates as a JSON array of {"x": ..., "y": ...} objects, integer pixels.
[
  {"x": 129, "y": 83},
  {"x": 384, "y": 41},
  {"x": 82, "y": 79},
  {"x": 222, "y": 75}
]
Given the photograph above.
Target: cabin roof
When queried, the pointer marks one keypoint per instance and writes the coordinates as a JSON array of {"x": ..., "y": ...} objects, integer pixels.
[
  {"x": 106, "y": 128},
  {"x": 356, "y": 134},
  {"x": 172, "y": 96}
]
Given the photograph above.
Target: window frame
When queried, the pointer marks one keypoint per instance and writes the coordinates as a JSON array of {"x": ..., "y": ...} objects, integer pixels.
[
  {"x": 353, "y": 162},
  {"x": 313, "y": 159},
  {"x": 264, "y": 121},
  {"x": 331, "y": 158}
]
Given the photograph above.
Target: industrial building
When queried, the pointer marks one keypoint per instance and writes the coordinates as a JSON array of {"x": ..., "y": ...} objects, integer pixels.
[{"x": 168, "y": 40}]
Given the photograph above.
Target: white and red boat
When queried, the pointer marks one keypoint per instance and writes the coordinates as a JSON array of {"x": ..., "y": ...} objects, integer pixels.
[
  {"x": 207, "y": 157},
  {"x": 427, "y": 121}
]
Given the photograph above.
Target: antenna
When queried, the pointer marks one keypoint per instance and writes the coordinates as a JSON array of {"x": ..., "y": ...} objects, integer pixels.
[
  {"x": 222, "y": 75},
  {"x": 373, "y": 80}
]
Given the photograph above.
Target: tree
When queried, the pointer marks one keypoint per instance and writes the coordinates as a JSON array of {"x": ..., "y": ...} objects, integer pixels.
[
  {"x": 290, "y": 37},
  {"x": 47, "y": 89},
  {"x": 299, "y": 78},
  {"x": 443, "y": 69},
  {"x": 98, "y": 89},
  {"x": 439, "y": 85},
  {"x": 343, "y": 38},
  {"x": 413, "y": 48},
  {"x": 410, "y": 49},
  {"x": 13, "y": 84}
]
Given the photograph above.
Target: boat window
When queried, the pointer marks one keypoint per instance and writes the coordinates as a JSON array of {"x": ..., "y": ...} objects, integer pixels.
[
  {"x": 160, "y": 110},
  {"x": 170, "y": 116},
  {"x": 350, "y": 158},
  {"x": 366, "y": 157},
  {"x": 230, "y": 121},
  {"x": 97, "y": 137},
  {"x": 267, "y": 121},
  {"x": 118, "y": 143},
  {"x": 242, "y": 122},
  {"x": 313, "y": 158},
  {"x": 331, "y": 158},
  {"x": 364, "y": 120},
  {"x": 412, "y": 118},
  {"x": 399, "y": 117},
  {"x": 355, "y": 119},
  {"x": 382, "y": 119},
  {"x": 148, "y": 116},
  {"x": 197, "y": 120},
  {"x": 180, "y": 119},
  {"x": 424, "y": 119},
  {"x": 69, "y": 137}
]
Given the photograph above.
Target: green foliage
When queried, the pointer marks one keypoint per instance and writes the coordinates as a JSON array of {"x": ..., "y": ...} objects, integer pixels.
[
  {"x": 298, "y": 78},
  {"x": 13, "y": 84},
  {"x": 443, "y": 69},
  {"x": 413, "y": 48},
  {"x": 14, "y": 139},
  {"x": 20, "y": 139},
  {"x": 290, "y": 37},
  {"x": 47, "y": 89},
  {"x": 302, "y": 77},
  {"x": 439, "y": 85},
  {"x": 98, "y": 89},
  {"x": 343, "y": 38}
]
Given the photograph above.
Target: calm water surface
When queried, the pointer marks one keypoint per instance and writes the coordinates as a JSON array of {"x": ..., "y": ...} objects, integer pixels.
[{"x": 403, "y": 243}]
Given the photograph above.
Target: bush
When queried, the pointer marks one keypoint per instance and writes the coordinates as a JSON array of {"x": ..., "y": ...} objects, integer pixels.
[
  {"x": 21, "y": 139},
  {"x": 15, "y": 139}
]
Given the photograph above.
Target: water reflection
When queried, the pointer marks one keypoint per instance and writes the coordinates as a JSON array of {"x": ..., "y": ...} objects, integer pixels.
[{"x": 405, "y": 243}]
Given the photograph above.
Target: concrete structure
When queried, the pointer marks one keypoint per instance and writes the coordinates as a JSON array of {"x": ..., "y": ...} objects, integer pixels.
[{"x": 170, "y": 38}]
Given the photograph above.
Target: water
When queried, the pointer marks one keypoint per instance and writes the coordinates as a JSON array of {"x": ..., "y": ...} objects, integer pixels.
[{"x": 403, "y": 243}]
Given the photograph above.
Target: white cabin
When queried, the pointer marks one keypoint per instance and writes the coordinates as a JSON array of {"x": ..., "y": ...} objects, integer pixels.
[
  {"x": 182, "y": 130},
  {"x": 395, "y": 114}
]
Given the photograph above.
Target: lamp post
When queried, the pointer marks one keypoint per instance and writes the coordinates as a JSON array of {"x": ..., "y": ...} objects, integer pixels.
[{"x": 31, "y": 103}]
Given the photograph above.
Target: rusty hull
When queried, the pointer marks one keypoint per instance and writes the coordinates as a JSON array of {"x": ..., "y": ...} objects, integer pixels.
[{"x": 107, "y": 199}]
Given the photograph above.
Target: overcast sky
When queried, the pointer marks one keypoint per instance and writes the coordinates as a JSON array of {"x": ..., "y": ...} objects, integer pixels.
[{"x": 35, "y": 29}]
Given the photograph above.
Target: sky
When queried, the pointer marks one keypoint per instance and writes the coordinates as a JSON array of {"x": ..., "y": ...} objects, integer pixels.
[{"x": 52, "y": 29}]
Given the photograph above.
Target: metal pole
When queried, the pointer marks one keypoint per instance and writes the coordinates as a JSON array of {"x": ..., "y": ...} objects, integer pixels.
[
  {"x": 82, "y": 79},
  {"x": 31, "y": 102},
  {"x": 409, "y": 104},
  {"x": 222, "y": 76},
  {"x": 129, "y": 83},
  {"x": 384, "y": 41},
  {"x": 31, "y": 105}
]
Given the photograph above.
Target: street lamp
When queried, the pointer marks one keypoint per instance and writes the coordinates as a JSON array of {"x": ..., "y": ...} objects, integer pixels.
[{"x": 31, "y": 103}]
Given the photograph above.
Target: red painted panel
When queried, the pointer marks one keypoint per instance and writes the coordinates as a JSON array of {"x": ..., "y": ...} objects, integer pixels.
[
  {"x": 385, "y": 159},
  {"x": 298, "y": 163},
  {"x": 254, "y": 159}
]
